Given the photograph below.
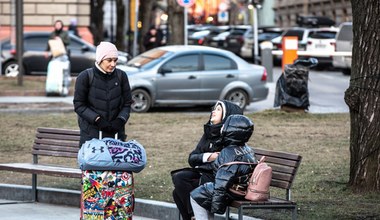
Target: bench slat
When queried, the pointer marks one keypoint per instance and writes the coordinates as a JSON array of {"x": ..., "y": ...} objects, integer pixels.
[
  {"x": 38, "y": 147},
  {"x": 54, "y": 153},
  {"x": 57, "y": 136},
  {"x": 58, "y": 131},
  {"x": 278, "y": 154},
  {"x": 72, "y": 144},
  {"x": 271, "y": 201},
  {"x": 52, "y": 170}
]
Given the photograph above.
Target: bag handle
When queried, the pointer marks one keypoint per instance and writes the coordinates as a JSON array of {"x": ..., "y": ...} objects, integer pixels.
[{"x": 101, "y": 135}]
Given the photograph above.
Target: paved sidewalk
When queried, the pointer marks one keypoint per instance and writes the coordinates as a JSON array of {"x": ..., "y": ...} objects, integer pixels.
[{"x": 13, "y": 210}]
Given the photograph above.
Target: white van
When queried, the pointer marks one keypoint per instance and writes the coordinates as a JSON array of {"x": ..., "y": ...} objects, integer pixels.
[{"x": 343, "y": 43}]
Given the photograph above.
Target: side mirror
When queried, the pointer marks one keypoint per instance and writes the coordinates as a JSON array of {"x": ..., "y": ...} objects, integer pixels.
[
  {"x": 164, "y": 70},
  {"x": 85, "y": 48}
]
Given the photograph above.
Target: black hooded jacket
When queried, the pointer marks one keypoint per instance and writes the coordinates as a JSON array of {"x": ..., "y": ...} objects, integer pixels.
[
  {"x": 214, "y": 196},
  {"x": 105, "y": 95},
  {"x": 211, "y": 139}
]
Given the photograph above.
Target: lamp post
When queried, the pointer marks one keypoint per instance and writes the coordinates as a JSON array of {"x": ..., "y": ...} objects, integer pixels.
[{"x": 254, "y": 5}]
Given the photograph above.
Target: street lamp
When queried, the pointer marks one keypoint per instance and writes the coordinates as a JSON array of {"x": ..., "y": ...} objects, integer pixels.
[{"x": 254, "y": 5}]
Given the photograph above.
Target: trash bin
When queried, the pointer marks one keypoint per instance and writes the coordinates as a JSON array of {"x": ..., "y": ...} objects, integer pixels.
[{"x": 292, "y": 86}]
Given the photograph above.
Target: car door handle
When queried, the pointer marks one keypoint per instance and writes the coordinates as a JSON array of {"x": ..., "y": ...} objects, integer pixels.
[
  {"x": 230, "y": 76},
  {"x": 192, "y": 77}
]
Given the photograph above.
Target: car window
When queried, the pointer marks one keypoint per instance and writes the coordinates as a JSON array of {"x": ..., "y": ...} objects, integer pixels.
[
  {"x": 346, "y": 33},
  {"x": 75, "y": 45},
  {"x": 36, "y": 43},
  {"x": 215, "y": 62},
  {"x": 6, "y": 45},
  {"x": 182, "y": 64},
  {"x": 322, "y": 34},
  {"x": 268, "y": 36},
  {"x": 296, "y": 33},
  {"x": 148, "y": 59}
]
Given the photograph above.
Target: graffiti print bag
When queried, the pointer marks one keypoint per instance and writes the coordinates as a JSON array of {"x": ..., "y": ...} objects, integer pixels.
[{"x": 112, "y": 154}]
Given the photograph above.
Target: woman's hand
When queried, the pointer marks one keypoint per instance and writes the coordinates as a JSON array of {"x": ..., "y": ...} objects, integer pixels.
[{"x": 213, "y": 156}]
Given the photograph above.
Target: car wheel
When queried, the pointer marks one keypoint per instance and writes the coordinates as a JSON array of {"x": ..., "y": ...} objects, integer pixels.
[
  {"x": 239, "y": 97},
  {"x": 141, "y": 101},
  {"x": 11, "y": 69}
]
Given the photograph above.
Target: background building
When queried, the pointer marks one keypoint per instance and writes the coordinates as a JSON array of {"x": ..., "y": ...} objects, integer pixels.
[
  {"x": 39, "y": 15},
  {"x": 286, "y": 11}
]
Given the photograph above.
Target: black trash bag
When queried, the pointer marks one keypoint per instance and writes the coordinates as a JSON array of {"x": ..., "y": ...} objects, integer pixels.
[{"x": 292, "y": 85}]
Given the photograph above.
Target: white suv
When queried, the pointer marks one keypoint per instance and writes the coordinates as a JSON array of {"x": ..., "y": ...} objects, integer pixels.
[
  {"x": 321, "y": 41},
  {"x": 343, "y": 44}
]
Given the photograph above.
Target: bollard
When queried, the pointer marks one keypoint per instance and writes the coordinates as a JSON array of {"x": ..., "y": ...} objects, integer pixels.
[
  {"x": 267, "y": 58},
  {"x": 289, "y": 48}
]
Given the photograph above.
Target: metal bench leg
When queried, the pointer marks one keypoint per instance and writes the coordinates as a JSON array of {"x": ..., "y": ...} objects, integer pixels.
[
  {"x": 294, "y": 213},
  {"x": 34, "y": 187},
  {"x": 228, "y": 213},
  {"x": 240, "y": 213}
]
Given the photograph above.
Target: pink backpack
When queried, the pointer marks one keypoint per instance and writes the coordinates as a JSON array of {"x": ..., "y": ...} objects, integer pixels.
[{"x": 258, "y": 185}]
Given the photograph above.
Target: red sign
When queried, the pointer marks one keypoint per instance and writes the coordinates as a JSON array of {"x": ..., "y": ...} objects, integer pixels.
[{"x": 186, "y": 3}]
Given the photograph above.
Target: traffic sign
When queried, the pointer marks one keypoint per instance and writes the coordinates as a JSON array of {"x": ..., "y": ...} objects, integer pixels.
[{"x": 186, "y": 3}]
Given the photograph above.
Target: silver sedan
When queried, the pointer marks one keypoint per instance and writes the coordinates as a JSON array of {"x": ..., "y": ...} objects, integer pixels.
[{"x": 193, "y": 75}]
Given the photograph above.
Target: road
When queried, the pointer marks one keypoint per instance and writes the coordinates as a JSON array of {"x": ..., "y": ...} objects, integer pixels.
[
  {"x": 326, "y": 92},
  {"x": 326, "y": 95}
]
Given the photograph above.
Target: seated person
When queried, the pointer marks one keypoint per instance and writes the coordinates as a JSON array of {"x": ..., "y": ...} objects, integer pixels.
[
  {"x": 214, "y": 197},
  {"x": 187, "y": 179}
]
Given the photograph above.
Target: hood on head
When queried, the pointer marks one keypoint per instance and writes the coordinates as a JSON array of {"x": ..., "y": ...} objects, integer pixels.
[
  {"x": 237, "y": 130},
  {"x": 229, "y": 108}
]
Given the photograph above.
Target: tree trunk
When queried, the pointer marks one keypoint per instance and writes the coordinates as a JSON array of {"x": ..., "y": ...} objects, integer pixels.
[
  {"x": 120, "y": 25},
  {"x": 176, "y": 23},
  {"x": 363, "y": 97},
  {"x": 96, "y": 23},
  {"x": 146, "y": 15}
]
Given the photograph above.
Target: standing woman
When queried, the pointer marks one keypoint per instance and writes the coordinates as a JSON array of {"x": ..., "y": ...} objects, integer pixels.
[
  {"x": 102, "y": 98},
  {"x": 207, "y": 150}
]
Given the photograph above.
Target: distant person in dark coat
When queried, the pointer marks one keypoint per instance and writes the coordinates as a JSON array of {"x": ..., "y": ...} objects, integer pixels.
[
  {"x": 153, "y": 38},
  {"x": 59, "y": 32},
  {"x": 73, "y": 28}
]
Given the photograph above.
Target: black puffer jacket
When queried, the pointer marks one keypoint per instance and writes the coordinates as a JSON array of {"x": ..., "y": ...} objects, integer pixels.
[
  {"x": 214, "y": 196},
  {"x": 107, "y": 96},
  {"x": 211, "y": 138}
]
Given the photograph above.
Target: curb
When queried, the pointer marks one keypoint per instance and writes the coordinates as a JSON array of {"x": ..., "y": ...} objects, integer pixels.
[{"x": 143, "y": 207}]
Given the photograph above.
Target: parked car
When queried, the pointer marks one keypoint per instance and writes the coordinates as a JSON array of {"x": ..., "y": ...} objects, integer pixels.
[
  {"x": 300, "y": 32},
  {"x": 196, "y": 34},
  {"x": 322, "y": 40},
  {"x": 343, "y": 43},
  {"x": 198, "y": 38},
  {"x": 193, "y": 75},
  {"x": 235, "y": 40},
  {"x": 82, "y": 54},
  {"x": 265, "y": 34},
  {"x": 217, "y": 36}
]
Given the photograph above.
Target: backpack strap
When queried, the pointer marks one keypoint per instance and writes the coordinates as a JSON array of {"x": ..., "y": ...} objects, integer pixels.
[
  {"x": 90, "y": 74},
  {"x": 236, "y": 162}
]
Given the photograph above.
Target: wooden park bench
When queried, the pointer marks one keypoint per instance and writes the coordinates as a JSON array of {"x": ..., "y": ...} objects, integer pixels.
[
  {"x": 53, "y": 142},
  {"x": 284, "y": 170}
]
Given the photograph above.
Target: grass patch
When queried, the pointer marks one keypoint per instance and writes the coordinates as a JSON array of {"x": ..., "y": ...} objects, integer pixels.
[{"x": 320, "y": 187}]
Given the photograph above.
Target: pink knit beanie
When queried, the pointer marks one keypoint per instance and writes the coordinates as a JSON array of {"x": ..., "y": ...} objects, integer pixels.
[{"x": 105, "y": 50}]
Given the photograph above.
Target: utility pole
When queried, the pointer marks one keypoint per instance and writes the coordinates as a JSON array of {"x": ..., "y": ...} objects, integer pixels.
[{"x": 20, "y": 40}]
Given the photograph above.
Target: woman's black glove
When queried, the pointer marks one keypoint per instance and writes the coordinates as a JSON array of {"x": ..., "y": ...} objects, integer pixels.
[
  {"x": 117, "y": 124},
  {"x": 103, "y": 125}
]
